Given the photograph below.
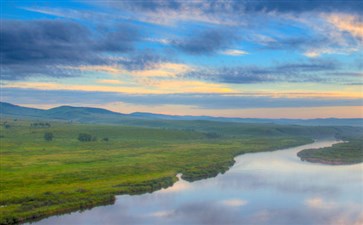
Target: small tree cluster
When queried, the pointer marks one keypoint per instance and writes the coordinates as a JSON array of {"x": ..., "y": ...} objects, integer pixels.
[
  {"x": 212, "y": 135},
  {"x": 48, "y": 136},
  {"x": 86, "y": 137},
  {"x": 39, "y": 125}
]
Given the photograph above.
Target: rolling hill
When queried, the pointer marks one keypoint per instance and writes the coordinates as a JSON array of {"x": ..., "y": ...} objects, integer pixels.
[{"x": 98, "y": 115}]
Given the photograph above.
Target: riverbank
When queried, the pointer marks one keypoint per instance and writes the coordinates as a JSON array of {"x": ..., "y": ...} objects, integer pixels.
[{"x": 346, "y": 153}]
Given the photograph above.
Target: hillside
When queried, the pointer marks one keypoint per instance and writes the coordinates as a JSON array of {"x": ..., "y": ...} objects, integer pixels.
[{"x": 103, "y": 116}]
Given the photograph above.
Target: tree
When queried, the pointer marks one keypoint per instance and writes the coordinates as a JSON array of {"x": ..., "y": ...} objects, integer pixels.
[
  {"x": 48, "y": 136},
  {"x": 86, "y": 137},
  {"x": 105, "y": 139}
]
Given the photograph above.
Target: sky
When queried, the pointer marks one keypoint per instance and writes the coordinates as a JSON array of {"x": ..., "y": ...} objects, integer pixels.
[{"x": 249, "y": 59}]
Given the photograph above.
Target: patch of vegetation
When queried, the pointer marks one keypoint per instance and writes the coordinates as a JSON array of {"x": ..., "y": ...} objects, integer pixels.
[
  {"x": 40, "y": 125},
  {"x": 86, "y": 137},
  {"x": 349, "y": 152},
  {"x": 105, "y": 139},
  {"x": 41, "y": 178},
  {"x": 48, "y": 136}
]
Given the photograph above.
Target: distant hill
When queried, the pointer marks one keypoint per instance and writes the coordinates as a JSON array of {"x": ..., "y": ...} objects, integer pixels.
[
  {"x": 98, "y": 115},
  {"x": 68, "y": 113}
]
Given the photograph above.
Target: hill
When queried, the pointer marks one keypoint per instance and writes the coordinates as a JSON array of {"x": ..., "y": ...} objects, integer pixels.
[{"x": 103, "y": 116}]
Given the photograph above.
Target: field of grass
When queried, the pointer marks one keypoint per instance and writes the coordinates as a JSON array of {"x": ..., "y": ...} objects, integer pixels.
[
  {"x": 349, "y": 152},
  {"x": 41, "y": 178}
]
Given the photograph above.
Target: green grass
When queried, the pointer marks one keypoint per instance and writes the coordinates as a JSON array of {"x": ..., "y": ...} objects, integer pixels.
[
  {"x": 349, "y": 152},
  {"x": 41, "y": 178}
]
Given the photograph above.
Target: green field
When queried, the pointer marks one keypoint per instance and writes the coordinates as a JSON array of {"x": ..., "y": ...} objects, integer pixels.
[
  {"x": 349, "y": 152},
  {"x": 41, "y": 178}
]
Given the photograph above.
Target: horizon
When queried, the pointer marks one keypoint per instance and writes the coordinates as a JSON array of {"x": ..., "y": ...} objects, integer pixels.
[
  {"x": 186, "y": 115},
  {"x": 197, "y": 58}
]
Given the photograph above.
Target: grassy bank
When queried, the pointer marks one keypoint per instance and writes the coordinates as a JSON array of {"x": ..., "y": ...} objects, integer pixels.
[
  {"x": 42, "y": 177},
  {"x": 349, "y": 152}
]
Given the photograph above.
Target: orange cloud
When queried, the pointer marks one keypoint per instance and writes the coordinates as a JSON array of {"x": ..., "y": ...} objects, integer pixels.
[
  {"x": 159, "y": 87},
  {"x": 110, "y": 82},
  {"x": 106, "y": 69},
  {"x": 163, "y": 70},
  {"x": 347, "y": 23}
]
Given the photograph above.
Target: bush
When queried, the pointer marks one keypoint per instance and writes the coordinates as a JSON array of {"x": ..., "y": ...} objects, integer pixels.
[
  {"x": 48, "y": 136},
  {"x": 212, "y": 135},
  {"x": 86, "y": 137},
  {"x": 40, "y": 125},
  {"x": 105, "y": 139}
]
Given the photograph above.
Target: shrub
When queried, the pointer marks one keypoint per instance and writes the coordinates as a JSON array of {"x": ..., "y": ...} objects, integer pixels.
[
  {"x": 212, "y": 135},
  {"x": 48, "y": 136},
  {"x": 86, "y": 137}
]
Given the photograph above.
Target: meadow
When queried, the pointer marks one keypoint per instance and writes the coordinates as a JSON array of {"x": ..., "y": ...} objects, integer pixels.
[{"x": 45, "y": 176}]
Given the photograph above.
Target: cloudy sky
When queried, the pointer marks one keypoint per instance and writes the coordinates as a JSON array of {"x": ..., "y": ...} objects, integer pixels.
[{"x": 266, "y": 59}]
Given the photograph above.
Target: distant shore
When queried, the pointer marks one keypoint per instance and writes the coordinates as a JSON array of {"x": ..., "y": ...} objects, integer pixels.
[
  {"x": 345, "y": 153},
  {"x": 327, "y": 162}
]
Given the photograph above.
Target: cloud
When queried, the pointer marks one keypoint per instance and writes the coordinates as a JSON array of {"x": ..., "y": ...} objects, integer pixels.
[
  {"x": 142, "y": 60},
  {"x": 206, "y": 42},
  {"x": 163, "y": 70},
  {"x": 111, "y": 69},
  {"x": 230, "y": 12},
  {"x": 347, "y": 23},
  {"x": 309, "y": 71},
  {"x": 110, "y": 82},
  {"x": 149, "y": 87},
  {"x": 50, "y": 47},
  {"x": 234, "y": 52}
]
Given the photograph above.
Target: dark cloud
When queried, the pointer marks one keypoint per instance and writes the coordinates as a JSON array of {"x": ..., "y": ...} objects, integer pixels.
[
  {"x": 214, "y": 7},
  {"x": 42, "y": 41},
  {"x": 301, "y": 5},
  {"x": 119, "y": 39},
  {"x": 311, "y": 71},
  {"x": 146, "y": 59},
  {"x": 297, "y": 43},
  {"x": 311, "y": 66},
  {"x": 48, "y": 47},
  {"x": 239, "y": 75},
  {"x": 206, "y": 42}
]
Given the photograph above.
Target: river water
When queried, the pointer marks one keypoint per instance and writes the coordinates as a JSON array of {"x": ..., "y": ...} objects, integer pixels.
[{"x": 272, "y": 188}]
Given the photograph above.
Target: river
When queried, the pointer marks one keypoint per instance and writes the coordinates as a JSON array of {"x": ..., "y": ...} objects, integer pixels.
[{"x": 261, "y": 188}]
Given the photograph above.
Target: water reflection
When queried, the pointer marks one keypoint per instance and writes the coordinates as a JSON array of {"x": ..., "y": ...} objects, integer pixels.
[{"x": 261, "y": 188}]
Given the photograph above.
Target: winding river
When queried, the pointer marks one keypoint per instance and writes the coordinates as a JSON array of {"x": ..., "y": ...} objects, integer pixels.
[{"x": 261, "y": 188}]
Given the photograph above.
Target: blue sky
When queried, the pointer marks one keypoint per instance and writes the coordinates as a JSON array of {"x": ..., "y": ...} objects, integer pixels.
[{"x": 269, "y": 59}]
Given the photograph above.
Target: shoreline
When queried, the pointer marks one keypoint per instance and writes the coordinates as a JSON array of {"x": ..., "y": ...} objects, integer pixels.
[{"x": 327, "y": 162}]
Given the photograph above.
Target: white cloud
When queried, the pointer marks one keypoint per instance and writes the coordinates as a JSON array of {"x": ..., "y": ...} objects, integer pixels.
[{"x": 234, "y": 52}]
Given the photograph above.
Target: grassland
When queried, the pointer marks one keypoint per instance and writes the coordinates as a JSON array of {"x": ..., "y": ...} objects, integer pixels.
[
  {"x": 41, "y": 178},
  {"x": 349, "y": 152}
]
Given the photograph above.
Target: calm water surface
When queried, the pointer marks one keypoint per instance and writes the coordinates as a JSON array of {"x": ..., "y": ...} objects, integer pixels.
[{"x": 261, "y": 188}]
